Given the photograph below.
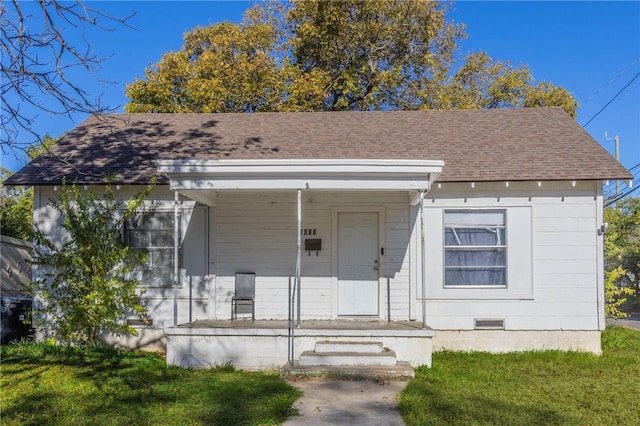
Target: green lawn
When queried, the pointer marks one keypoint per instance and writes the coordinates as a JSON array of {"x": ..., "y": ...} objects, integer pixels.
[
  {"x": 534, "y": 388},
  {"x": 42, "y": 384}
]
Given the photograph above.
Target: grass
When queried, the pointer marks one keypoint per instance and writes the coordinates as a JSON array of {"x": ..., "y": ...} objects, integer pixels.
[
  {"x": 532, "y": 388},
  {"x": 44, "y": 384}
]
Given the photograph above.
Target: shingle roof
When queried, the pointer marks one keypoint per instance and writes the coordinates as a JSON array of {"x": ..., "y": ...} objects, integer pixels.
[{"x": 476, "y": 145}]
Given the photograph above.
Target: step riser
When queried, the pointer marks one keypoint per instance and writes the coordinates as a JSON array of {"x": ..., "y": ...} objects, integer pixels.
[
  {"x": 386, "y": 358},
  {"x": 400, "y": 371},
  {"x": 358, "y": 347}
]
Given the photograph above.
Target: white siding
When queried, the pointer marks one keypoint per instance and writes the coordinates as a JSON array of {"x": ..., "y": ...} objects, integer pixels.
[
  {"x": 554, "y": 254},
  {"x": 563, "y": 278},
  {"x": 256, "y": 232}
]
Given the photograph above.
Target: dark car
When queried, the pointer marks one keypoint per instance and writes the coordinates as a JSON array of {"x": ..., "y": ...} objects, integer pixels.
[{"x": 16, "y": 319}]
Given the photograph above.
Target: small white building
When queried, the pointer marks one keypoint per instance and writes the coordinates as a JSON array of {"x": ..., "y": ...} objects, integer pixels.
[{"x": 417, "y": 230}]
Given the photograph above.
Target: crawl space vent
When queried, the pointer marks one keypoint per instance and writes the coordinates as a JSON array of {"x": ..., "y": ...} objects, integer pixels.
[{"x": 489, "y": 324}]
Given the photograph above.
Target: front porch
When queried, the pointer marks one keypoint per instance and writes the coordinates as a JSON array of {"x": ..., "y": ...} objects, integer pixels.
[{"x": 264, "y": 344}]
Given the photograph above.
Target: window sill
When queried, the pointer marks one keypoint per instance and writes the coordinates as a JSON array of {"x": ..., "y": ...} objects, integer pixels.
[
  {"x": 484, "y": 296},
  {"x": 474, "y": 287}
]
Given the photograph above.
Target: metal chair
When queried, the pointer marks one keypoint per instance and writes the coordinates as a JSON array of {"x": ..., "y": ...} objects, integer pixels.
[{"x": 243, "y": 301}]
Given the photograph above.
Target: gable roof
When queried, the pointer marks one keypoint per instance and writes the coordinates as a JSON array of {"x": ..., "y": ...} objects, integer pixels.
[{"x": 476, "y": 145}]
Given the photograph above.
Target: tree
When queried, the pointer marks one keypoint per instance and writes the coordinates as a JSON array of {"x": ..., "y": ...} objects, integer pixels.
[
  {"x": 86, "y": 286},
  {"x": 16, "y": 204},
  {"x": 221, "y": 68},
  {"x": 483, "y": 82},
  {"x": 622, "y": 253},
  {"x": 16, "y": 210},
  {"x": 42, "y": 69},
  {"x": 320, "y": 55}
]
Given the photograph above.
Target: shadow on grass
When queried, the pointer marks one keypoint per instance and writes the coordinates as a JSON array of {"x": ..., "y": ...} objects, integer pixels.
[
  {"x": 438, "y": 407},
  {"x": 525, "y": 388},
  {"x": 106, "y": 386}
]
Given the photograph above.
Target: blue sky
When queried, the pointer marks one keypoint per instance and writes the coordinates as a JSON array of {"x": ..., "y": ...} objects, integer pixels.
[{"x": 590, "y": 48}]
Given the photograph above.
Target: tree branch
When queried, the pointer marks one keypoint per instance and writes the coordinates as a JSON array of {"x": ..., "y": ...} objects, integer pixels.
[{"x": 38, "y": 59}]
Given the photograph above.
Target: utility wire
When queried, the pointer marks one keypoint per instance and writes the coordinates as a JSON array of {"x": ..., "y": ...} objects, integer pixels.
[
  {"x": 610, "y": 195},
  {"x": 622, "y": 195},
  {"x": 610, "y": 81},
  {"x": 612, "y": 99}
]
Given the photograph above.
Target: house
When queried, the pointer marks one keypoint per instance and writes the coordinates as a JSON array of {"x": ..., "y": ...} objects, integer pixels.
[{"x": 413, "y": 230}]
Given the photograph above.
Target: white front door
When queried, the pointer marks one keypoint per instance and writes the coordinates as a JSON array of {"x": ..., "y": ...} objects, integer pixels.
[{"x": 358, "y": 264}]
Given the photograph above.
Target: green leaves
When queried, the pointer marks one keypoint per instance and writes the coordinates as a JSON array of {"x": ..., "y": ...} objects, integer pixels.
[
  {"x": 335, "y": 55},
  {"x": 622, "y": 254},
  {"x": 86, "y": 289},
  {"x": 221, "y": 68},
  {"x": 16, "y": 203}
]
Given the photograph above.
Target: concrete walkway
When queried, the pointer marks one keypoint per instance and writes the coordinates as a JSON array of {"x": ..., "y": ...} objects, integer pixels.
[
  {"x": 341, "y": 402},
  {"x": 632, "y": 321}
]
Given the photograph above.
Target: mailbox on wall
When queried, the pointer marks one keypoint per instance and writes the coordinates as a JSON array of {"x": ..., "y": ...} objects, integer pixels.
[{"x": 313, "y": 244}]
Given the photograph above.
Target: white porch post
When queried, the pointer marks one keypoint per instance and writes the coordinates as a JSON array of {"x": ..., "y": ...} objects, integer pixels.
[
  {"x": 176, "y": 246},
  {"x": 298, "y": 258},
  {"x": 423, "y": 261},
  {"x": 296, "y": 286}
]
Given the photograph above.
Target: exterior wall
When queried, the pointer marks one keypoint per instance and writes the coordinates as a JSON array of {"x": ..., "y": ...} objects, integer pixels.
[
  {"x": 554, "y": 268},
  {"x": 497, "y": 341},
  {"x": 256, "y": 232},
  {"x": 267, "y": 348},
  {"x": 553, "y": 299}
]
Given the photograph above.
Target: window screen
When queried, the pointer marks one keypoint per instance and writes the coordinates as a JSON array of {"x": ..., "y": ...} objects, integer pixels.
[
  {"x": 475, "y": 248},
  {"x": 152, "y": 233}
]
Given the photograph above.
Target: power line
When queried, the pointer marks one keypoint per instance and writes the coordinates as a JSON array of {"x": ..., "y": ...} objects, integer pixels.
[
  {"x": 610, "y": 81},
  {"x": 611, "y": 197},
  {"x": 612, "y": 99},
  {"x": 622, "y": 195}
]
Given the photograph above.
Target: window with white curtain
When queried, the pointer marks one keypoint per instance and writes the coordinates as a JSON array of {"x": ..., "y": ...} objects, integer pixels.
[
  {"x": 475, "y": 248},
  {"x": 151, "y": 232}
]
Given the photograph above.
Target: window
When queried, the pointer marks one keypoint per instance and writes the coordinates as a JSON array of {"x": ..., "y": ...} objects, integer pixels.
[
  {"x": 151, "y": 232},
  {"x": 475, "y": 248}
]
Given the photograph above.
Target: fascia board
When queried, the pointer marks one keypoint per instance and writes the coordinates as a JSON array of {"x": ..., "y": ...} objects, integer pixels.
[
  {"x": 286, "y": 167},
  {"x": 416, "y": 184}
]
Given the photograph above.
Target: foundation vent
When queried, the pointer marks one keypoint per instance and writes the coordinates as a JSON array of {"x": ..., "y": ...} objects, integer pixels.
[{"x": 489, "y": 324}]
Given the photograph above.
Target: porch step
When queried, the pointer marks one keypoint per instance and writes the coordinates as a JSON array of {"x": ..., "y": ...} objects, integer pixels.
[
  {"x": 358, "y": 347},
  {"x": 335, "y": 353},
  {"x": 347, "y": 358},
  {"x": 400, "y": 371}
]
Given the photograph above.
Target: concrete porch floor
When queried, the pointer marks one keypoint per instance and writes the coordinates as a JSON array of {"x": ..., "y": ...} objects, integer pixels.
[{"x": 340, "y": 324}]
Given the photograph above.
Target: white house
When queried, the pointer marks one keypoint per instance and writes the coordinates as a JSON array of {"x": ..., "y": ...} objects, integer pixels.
[{"x": 414, "y": 230}]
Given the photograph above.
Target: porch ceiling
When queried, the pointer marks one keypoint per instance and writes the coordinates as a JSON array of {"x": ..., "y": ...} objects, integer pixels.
[{"x": 319, "y": 174}]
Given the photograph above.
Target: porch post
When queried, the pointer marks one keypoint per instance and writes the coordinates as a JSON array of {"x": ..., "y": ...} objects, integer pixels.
[
  {"x": 423, "y": 261},
  {"x": 176, "y": 246},
  {"x": 299, "y": 250},
  {"x": 296, "y": 286}
]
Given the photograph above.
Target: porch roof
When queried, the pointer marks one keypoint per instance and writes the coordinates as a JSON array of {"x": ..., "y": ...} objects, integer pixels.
[{"x": 309, "y": 174}]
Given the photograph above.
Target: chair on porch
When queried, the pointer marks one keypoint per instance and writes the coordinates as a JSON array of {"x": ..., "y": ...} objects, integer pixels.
[{"x": 243, "y": 301}]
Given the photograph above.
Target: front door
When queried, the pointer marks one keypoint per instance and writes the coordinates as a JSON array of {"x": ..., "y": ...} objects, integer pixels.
[{"x": 358, "y": 264}]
